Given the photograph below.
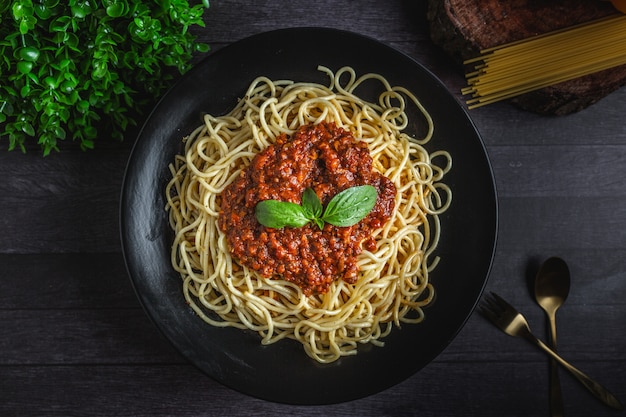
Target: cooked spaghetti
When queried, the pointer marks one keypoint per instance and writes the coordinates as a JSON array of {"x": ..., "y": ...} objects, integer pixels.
[
  {"x": 392, "y": 286},
  {"x": 530, "y": 64}
]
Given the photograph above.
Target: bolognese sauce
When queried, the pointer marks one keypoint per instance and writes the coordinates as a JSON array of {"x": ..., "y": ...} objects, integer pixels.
[{"x": 327, "y": 159}]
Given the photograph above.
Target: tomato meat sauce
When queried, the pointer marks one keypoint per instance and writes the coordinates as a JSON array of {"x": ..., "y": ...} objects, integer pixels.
[{"x": 327, "y": 159}]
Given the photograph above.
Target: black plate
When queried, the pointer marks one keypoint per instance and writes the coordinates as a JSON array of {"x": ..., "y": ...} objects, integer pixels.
[{"x": 282, "y": 372}]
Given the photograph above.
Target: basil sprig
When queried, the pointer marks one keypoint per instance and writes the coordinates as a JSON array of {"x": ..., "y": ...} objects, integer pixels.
[{"x": 346, "y": 208}]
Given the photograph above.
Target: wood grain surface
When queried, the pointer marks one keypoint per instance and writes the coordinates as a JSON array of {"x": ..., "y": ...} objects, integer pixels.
[{"x": 74, "y": 340}]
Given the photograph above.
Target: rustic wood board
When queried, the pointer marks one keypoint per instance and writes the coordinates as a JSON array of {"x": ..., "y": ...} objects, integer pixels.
[{"x": 464, "y": 27}]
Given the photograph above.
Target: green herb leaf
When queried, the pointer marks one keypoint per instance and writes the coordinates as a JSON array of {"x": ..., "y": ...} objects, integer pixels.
[
  {"x": 350, "y": 206},
  {"x": 347, "y": 208},
  {"x": 279, "y": 214},
  {"x": 311, "y": 204},
  {"x": 29, "y": 53}
]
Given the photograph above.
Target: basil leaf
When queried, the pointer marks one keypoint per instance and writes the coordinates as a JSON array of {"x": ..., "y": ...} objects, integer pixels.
[
  {"x": 319, "y": 222},
  {"x": 312, "y": 204},
  {"x": 350, "y": 206},
  {"x": 345, "y": 209},
  {"x": 278, "y": 214}
]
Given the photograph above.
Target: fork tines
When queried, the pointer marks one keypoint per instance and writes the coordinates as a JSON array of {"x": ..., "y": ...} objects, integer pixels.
[
  {"x": 491, "y": 305},
  {"x": 496, "y": 309}
]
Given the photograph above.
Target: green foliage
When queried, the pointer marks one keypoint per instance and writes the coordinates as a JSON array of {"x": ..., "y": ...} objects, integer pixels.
[
  {"x": 65, "y": 65},
  {"x": 346, "y": 208}
]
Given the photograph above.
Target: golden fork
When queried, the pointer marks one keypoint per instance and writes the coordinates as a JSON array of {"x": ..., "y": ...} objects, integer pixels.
[{"x": 513, "y": 323}]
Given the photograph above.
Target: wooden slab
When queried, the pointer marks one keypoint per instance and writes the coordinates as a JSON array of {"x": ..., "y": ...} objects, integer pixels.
[{"x": 464, "y": 27}]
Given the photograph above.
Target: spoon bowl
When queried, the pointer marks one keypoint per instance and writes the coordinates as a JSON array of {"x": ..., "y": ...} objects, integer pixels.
[{"x": 552, "y": 285}]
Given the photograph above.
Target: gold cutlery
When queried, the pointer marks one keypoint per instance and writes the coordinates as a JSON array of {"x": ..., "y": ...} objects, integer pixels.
[
  {"x": 551, "y": 289},
  {"x": 513, "y": 323}
]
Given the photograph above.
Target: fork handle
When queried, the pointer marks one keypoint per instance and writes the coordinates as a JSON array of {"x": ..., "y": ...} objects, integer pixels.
[{"x": 595, "y": 388}]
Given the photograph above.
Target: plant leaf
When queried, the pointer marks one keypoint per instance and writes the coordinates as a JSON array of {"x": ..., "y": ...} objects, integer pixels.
[
  {"x": 311, "y": 204},
  {"x": 278, "y": 214},
  {"x": 345, "y": 209},
  {"x": 350, "y": 206},
  {"x": 319, "y": 222}
]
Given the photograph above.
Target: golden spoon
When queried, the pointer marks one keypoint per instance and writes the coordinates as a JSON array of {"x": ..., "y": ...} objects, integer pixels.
[{"x": 551, "y": 289}]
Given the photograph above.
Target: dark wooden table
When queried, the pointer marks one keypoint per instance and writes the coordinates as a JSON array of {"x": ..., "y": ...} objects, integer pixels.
[{"x": 74, "y": 340}]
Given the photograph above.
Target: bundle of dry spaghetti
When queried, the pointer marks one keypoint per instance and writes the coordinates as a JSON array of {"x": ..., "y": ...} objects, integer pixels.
[{"x": 519, "y": 67}]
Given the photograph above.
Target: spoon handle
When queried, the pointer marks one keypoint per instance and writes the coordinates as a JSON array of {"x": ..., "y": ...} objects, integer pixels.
[
  {"x": 556, "y": 396},
  {"x": 595, "y": 388}
]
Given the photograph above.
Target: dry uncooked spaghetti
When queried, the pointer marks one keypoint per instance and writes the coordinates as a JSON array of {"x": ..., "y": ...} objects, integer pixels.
[
  {"x": 520, "y": 67},
  {"x": 393, "y": 284}
]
